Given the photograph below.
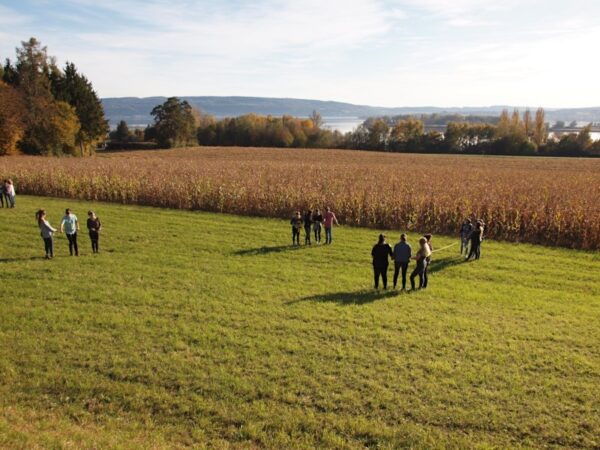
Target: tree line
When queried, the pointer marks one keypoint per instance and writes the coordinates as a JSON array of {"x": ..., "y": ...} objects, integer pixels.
[
  {"x": 176, "y": 123},
  {"x": 46, "y": 110}
]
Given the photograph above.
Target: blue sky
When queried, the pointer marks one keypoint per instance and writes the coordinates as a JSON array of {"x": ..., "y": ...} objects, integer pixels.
[{"x": 377, "y": 52}]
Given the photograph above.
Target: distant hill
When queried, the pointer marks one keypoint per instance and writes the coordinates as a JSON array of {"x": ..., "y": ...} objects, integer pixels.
[{"x": 136, "y": 111}]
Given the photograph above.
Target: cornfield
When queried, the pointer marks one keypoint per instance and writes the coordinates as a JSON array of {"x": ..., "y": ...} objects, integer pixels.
[{"x": 553, "y": 202}]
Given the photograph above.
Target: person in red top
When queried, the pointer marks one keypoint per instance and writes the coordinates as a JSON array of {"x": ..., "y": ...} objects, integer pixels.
[{"x": 328, "y": 222}]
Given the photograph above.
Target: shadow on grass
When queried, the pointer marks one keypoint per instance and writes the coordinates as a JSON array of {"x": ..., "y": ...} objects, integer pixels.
[
  {"x": 438, "y": 265},
  {"x": 350, "y": 298},
  {"x": 11, "y": 260},
  {"x": 267, "y": 250}
]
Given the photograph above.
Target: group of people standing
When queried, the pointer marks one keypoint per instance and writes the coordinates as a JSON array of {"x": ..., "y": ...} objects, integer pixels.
[
  {"x": 471, "y": 236},
  {"x": 69, "y": 225},
  {"x": 7, "y": 194},
  {"x": 313, "y": 222},
  {"x": 401, "y": 254}
]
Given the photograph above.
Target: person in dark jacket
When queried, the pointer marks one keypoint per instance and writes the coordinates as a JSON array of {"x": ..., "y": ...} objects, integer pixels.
[
  {"x": 465, "y": 232},
  {"x": 476, "y": 237},
  {"x": 402, "y": 254},
  {"x": 307, "y": 226},
  {"x": 380, "y": 253},
  {"x": 317, "y": 220},
  {"x": 296, "y": 224},
  {"x": 94, "y": 225}
]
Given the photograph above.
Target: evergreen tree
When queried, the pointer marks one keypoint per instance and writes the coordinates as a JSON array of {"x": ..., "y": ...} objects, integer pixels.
[{"x": 77, "y": 91}]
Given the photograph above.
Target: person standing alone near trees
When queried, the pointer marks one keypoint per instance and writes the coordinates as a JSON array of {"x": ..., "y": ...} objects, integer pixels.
[
  {"x": 70, "y": 226},
  {"x": 402, "y": 254},
  {"x": 307, "y": 227},
  {"x": 380, "y": 253},
  {"x": 296, "y": 224},
  {"x": 46, "y": 231},
  {"x": 94, "y": 225},
  {"x": 9, "y": 193},
  {"x": 330, "y": 219}
]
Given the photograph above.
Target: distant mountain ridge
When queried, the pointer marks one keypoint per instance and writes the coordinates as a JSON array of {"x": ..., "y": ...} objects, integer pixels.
[{"x": 136, "y": 111}]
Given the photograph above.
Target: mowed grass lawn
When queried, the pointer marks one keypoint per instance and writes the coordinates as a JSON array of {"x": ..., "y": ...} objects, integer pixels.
[{"x": 198, "y": 329}]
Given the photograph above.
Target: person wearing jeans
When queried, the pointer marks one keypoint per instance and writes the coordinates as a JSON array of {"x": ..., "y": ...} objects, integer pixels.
[
  {"x": 380, "y": 253},
  {"x": 421, "y": 258},
  {"x": 329, "y": 220},
  {"x": 70, "y": 226},
  {"x": 402, "y": 254},
  {"x": 317, "y": 219},
  {"x": 46, "y": 231}
]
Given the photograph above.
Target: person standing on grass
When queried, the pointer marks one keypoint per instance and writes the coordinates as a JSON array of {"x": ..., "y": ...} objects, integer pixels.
[
  {"x": 402, "y": 254},
  {"x": 94, "y": 225},
  {"x": 465, "y": 232},
  {"x": 475, "y": 237},
  {"x": 2, "y": 196},
  {"x": 380, "y": 253},
  {"x": 47, "y": 233},
  {"x": 426, "y": 269},
  {"x": 307, "y": 226},
  {"x": 296, "y": 224},
  {"x": 317, "y": 219},
  {"x": 329, "y": 220},
  {"x": 9, "y": 192},
  {"x": 421, "y": 258},
  {"x": 70, "y": 226}
]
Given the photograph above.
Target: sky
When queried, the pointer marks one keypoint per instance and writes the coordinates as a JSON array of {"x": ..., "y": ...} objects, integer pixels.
[{"x": 374, "y": 52}]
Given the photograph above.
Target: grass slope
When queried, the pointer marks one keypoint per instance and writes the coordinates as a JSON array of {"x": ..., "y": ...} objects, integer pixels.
[{"x": 198, "y": 329}]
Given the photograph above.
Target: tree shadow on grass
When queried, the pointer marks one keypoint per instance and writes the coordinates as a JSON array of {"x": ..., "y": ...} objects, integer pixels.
[
  {"x": 267, "y": 250},
  {"x": 438, "y": 265},
  {"x": 350, "y": 297}
]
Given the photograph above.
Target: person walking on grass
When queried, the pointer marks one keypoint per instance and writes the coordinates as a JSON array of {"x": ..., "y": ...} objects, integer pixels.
[
  {"x": 47, "y": 233},
  {"x": 329, "y": 220},
  {"x": 94, "y": 225},
  {"x": 402, "y": 254},
  {"x": 317, "y": 219},
  {"x": 421, "y": 258},
  {"x": 465, "y": 232},
  {"x": 9, "y": 193},
  {"x": 476, "y": 237},
  {"x": 296, "y": 224},
  {"x": 307, "y": 227},
  {"x": 426, "y": 269},
  {"x": 381, "y": 253},
  {"x": 70, "y": 226}
]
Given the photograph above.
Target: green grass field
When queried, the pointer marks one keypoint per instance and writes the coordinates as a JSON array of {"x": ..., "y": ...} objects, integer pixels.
[{"x": 208, "y": 330}]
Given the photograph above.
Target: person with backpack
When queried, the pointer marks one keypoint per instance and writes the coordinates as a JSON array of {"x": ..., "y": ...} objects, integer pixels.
[
  {"x": 70, "y": 226},
  {"x": 402, "y": 254},
  {"x": 47, "y": 233},
  {"x": 296, "y": 224},
  {"x": 381, "y": 253}
]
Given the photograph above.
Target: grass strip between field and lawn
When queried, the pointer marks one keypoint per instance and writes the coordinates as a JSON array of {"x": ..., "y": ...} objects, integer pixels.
[{"x": 194, "y": 328}]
